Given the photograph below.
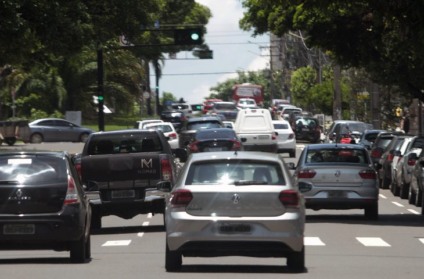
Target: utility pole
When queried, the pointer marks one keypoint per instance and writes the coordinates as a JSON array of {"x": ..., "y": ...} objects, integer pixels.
[
  {"x": 100, "y": 88},
  {"x": 337, "y": 103}
]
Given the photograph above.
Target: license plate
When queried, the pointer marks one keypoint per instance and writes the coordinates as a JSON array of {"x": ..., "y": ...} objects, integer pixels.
[
  {"x": 236, "y": 228},
  {"x": 19, "y": 229},
  {"x": 123, "y": 194},
  {"x": 215, "y": 149},
  {"x": 263, "y": 137},
  {"x": 336, "y": 194}
]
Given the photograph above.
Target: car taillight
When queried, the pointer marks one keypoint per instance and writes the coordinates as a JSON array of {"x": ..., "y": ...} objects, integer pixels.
[
  {"x": 376, "y": 153},
  {"x": 79, "y": 170},
  {"x": 172, "y": 136},
  {"x": 166, "y": 169},
  {"x": 181, "y": 197},
  {"x": 193, "y": 147},
  {"x": 289, "y": 198},
  {"x": 291, "y": 136},
  {"x": 411, "y": 162},
  {"x": 368, "y": 174},
  {"x": 71, "y": 193},
  {"x": 390, "y": 157},
  {"x": 236, "y": 145},
  {"x": 307, "y": 173},
  {"x": 274, "y": 136}
]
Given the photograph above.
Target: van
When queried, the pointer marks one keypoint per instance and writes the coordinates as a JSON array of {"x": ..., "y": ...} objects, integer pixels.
[{"x": 255, "y": 129}]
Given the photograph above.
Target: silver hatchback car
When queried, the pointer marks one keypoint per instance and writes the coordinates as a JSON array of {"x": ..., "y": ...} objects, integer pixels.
[
  {"x": 338, "y": 176},
  {"x": 234, "y": 204}
]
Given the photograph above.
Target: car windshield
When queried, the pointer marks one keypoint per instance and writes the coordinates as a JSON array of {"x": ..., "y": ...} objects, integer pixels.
[
  {"x": 122, "y": 144},
  {"x": 240, "y": 172},
  {"x": 331, "y": 155}
]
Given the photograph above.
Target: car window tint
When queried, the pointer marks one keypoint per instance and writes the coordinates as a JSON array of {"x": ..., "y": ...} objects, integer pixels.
[
  {"x": 281, "y": 126},
  {"x": 357, "y": 156},
  {"x": 235, "y": 172},
  {"x": 122, "y": 144},
  {"x": 215, "y": 134}
]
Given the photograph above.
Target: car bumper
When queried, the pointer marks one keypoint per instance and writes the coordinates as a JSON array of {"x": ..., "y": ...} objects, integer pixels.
[{"x": 203, "y": 236}]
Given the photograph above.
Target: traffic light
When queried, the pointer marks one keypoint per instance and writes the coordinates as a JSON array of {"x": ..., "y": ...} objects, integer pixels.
[{"x": 188, "y": 36}]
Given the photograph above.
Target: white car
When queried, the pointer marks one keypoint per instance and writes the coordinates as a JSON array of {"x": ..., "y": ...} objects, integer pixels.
[
  {"x": 234, "y": 204},
  {"x": 285, "y": 137},
  {"x": 141, "y": 124},
  {"x": 168, "y": 130},
  {"x": 246, "y": 103},
  {"x": 228, "y": 124}
]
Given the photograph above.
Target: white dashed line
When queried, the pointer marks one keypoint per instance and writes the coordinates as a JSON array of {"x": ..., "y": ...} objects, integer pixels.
[
  {"x": 313, "y": 241},
  {"x": 373, "y": 241},
  {"x": 140, "y": 234},
  {"x": 145, "y": 224},
  {"x": 149, "y": 215},
  {"x": 117, "y": 243},
  {"x": 382, "y": 196},
  {"x": 421, "y": 239},
  {"x": 398, "y": 204},
  {"x": 413, "y": 211}
]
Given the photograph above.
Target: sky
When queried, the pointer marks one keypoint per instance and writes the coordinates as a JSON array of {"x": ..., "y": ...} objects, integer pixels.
[{"x": 233, "y": 50}]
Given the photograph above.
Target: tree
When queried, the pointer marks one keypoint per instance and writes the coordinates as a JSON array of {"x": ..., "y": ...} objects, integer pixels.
[{"x": 386, "y": 38}]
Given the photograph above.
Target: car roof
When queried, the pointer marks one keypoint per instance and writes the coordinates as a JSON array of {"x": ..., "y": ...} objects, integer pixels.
[
  {"x": 235, "y": 155},
  {"x": 204, "y": 118},
  {"x": 319, "y": 146}
]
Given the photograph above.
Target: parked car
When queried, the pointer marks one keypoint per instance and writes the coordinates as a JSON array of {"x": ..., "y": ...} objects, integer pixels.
[
  {"x": 194, "y": 124},
  {"x": 177, "y": 118},
  {"x": 286, "y": 139},
  {"x": 397, "y": 157},
  {"x": 228, "y": 124},
  {"x": 338, "y": 176},
  {"x": 246, "y": 103},
  {"x": 308, "y": 128},
  {"x": 234, "y": 204},
  {"x": 215, "y": 139},
  {"x": 342, "y": 127},
  {"x": 386, "y": 160},
  {"x": 416, "y": 189},
  {"x": 227, "y": 109},
  {"x": 168, "y": 130},
  {"x": 368, "y": 137},
  {"x": 381, "y": 143},
  {"x": 406, "y": 165},
  {"x": 55, "y": 130},
  {"x": 43, "y": 205}
]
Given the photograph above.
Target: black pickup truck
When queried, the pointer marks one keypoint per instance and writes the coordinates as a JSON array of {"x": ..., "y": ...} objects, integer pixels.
[{"x": 120, "y": 171}]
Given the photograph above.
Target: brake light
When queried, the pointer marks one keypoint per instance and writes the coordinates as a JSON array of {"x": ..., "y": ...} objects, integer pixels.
[
  {"x": 274, "y": 136},
  {"x": 307, "y": 173},
  {"x": 79, "y": 169},
  {"x": 166, "y": 169},
  {"x": 411, "y": 162},
  {"x": 289, "y": 198},
  {"x": 236, "y": 145},
  {"x": 376, "y": 153},
  {"x": 390, "y": 157},
  {"x": 193, "y": 147},
  {"x": 71, "y": 193},
  {"x": 172, "y": 136},
  {"x": 368, "y": 174},
  {"x": 181, "y": 198}
]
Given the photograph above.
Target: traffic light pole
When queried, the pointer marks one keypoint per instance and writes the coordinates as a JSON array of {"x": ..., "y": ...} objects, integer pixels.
[{"x": 100, "y": 88}]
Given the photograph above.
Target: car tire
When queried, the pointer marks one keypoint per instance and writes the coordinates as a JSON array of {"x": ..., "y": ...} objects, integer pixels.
[
  {"x": 385, "y": 182},
  {"x": 36, "y": 138},
  {"x": 404, "y": 190},
  {"x": 419, "y": 198},
  {"x": 296, "y": 261},
  {"x": 173, "y": 260},
  {"x": 395, "y": 189},
  {"x": 422, "y": 202},
  {"x": 96, "y": 221},
  {"x": 411, "y": 196},
  {"x": 78, "y": 250},
  {"x": 371, "y": 211}
]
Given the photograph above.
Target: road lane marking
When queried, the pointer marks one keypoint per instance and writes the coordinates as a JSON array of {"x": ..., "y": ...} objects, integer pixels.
[
  {"x": 413, "y": 211},
  {"x": 145, "y": 224},
  {"x": 313, "y": 241},
  {"x": 398, "y": 204},
  {"x": 382, "y": 196},
  {"x": 117, "y": 243},
  {"x": 140, "y": 234},
  {"x": 421, "y": 239},
  {"x": 373, "y": 241},
  {"x": 149, "y": 215}
]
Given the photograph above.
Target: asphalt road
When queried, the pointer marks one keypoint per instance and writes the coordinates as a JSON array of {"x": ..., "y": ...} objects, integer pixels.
[{"x": 339, "y": 244}]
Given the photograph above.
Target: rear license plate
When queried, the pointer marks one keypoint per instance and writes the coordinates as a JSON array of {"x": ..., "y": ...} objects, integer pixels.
[
  {"x": 19, "y": 229},
  {"x": 236, "y": 228},
  {"x": 337, "y": 194},
  {"x": 215, "y": 149},
  {"x": 123, "y": 194},
  {"x": 263, "y": 137}
]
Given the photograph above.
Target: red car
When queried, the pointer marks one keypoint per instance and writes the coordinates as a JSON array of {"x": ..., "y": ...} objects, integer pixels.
[{"x": 207, "y": 104}]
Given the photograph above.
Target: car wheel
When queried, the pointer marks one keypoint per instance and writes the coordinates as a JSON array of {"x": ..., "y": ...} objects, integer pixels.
[
  {"x": 10, "y": 141},
  {"x": 411, "y": 196},
  {"x": 404, "y": 190},
  {"x": 83, "y": 137},
  {"x": 173, "y": 260},
  {"x": 394, "y": 189},
  {"x": 78, "y": 250},
  {"x": 371, "y": 212},
  {"x": 385, "y": 183},
  {"x": 419, "y": 198},
  {"x": 296, "y": 261},
  {"x": 36, "y": 138},
  {"x": 422, "y": 202},
  {"x": 88, "y": 247},
  {"x": 96, "y": 221}
]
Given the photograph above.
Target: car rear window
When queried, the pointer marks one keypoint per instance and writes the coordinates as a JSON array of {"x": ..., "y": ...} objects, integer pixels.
[
  {"x": 216, "y": 134},
  {"x": 281, "y": 126},
  {"x": 244, "y": 172},
  {"x": 32, "y": 170},
  {"x": 203, "y": 125},
  {"x": 357, "y": 156},
  {"x": 122, "y": 144}
]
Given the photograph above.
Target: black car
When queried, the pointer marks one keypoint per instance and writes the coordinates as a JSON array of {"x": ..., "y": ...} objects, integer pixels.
[
  {"x": 194, "y": 124},
  {"x": 176, "y": 117},
  {"x": 381, "y": 143},
  {"x": 368, "y": 137},
  {"x": 43, "y": 205},
  {"x": 217, "y": 139},
  {"x": 308, "y": 128}
]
